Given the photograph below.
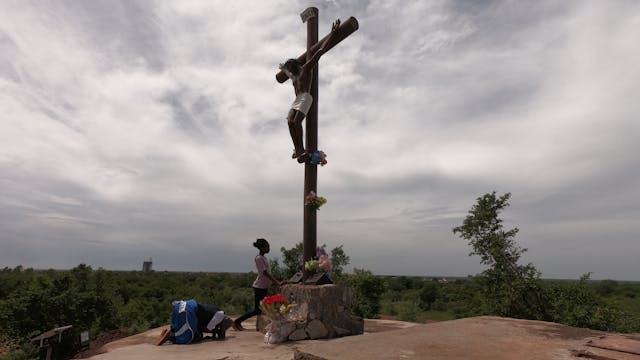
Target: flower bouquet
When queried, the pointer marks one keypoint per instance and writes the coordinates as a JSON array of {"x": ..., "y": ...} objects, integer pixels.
[
  {"x": 321, "y": 262},
  {"x": 277, "y": 308},
  {"x": 319, "y": 157},
  {"x": 314, "y": 201},
  {"x": 312, "y": 266},
  {"x": 324, "y": 262}
]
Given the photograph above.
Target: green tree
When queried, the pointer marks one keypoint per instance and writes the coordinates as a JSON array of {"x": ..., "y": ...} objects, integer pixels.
[
  {"x": 428, "y": 294},
  {"x": 367, "y": 291},
  {"x": 339, "y": 259},
  {"x": 277, "y": 271},
  {"x": 483, "y": 229},
  {"x": 292, "y": 261},
  {"x": 510, "y": 289}
]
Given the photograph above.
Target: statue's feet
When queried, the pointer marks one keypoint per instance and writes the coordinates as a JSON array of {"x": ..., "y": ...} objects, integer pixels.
[
  {"x": 304, "y": 158},
  {"x": 297, "y": 153}
]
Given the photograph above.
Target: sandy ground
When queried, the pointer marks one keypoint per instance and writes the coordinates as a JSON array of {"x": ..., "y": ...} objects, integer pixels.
[{"x": 472, "y": 338}]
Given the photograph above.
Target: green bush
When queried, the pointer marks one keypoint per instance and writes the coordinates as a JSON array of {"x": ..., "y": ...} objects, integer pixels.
[
  {"x": 367, "y": 291},
  {"x": 577, "y": 304},
  {"x": 407, "y": 310},
  {"x": 428, "y": 295},
  {"x": 32, "y": 302},
  {"x": 26, "y": 351}
]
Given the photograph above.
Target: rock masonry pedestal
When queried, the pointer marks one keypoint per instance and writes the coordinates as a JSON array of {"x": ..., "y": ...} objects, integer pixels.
[{"x": 322, "y": 311}]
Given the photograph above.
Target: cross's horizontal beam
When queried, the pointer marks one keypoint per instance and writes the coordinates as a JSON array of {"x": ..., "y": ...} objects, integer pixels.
[{"x": 346, "y": 28}]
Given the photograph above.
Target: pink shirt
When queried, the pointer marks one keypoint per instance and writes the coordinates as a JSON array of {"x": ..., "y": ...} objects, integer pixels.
[{"x": 262, "y": 264}]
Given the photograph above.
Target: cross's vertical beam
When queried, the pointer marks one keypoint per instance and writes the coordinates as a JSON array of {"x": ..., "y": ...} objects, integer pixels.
[{"x": 311, "y": 132}]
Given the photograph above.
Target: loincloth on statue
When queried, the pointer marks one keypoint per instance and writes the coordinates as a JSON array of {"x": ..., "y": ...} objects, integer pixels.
[{"x": 302, "y": 103}]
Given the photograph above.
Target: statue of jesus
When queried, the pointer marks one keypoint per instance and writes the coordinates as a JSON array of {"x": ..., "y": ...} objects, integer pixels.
[{"x": 301, "y": 76}]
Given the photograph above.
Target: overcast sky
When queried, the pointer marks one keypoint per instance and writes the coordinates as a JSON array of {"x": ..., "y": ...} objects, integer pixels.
[{"x": 136, "y": 129}]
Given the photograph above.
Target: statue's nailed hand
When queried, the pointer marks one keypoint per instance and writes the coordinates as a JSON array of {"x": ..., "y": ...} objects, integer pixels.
[
  {"x": 335, "y": 26},
  {"x": 334, "y": 31}
]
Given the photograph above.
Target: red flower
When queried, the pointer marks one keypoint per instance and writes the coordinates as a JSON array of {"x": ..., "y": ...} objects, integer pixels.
[{"x": 274, "y": 299}]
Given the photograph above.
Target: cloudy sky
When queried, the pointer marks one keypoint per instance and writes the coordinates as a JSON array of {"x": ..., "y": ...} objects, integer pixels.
[{"x": 136, "y": 129}]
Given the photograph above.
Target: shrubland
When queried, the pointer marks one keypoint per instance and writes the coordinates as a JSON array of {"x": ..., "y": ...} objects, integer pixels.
[{"x": 33, "y": 301}]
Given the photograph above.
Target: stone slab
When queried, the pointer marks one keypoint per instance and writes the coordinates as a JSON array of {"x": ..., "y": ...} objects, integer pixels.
[
  {"x": 630, "y": 346},
  {"x": 479, "y": 338}
]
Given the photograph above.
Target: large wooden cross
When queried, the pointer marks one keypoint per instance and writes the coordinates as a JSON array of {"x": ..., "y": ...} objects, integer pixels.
[{"x": 348, "y": 27}]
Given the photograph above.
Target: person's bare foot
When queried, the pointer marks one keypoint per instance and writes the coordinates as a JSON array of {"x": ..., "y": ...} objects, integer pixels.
[
  {"x": 164, "y": 336},
  {"x": 237, "y": 327}
]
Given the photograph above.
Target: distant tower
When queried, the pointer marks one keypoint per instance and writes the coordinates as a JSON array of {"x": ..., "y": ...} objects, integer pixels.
[{"x": 146, "y": 266}]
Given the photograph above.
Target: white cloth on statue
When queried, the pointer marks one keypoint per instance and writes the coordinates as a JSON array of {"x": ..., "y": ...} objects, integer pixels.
[
  {"x": 215, "y": 320},
  {"x": 302, "y": 103}
]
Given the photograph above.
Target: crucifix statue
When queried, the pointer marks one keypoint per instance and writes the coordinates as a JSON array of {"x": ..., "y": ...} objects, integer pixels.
[
  {"x": 301, "y": 75},
  {"x": 303, "y": 72}
]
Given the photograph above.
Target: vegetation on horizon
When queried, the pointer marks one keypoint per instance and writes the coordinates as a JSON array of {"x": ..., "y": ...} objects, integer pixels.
[
  {"x": 31, "y": 301},
  {"x": 99, "y": 300}
]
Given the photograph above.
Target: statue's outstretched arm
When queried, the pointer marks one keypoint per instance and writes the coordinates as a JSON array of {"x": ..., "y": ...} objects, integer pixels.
[{"x": 321, "y": 50}]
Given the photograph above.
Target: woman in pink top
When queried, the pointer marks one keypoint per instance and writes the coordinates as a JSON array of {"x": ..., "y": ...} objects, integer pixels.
[{"x": 261, "y": 284}]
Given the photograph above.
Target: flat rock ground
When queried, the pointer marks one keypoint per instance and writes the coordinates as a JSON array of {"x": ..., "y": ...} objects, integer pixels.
[{"x": 490, "y": 338}]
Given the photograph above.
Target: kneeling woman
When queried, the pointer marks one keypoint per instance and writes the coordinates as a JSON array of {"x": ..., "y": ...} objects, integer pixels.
[{"x": 210, "y": 319}]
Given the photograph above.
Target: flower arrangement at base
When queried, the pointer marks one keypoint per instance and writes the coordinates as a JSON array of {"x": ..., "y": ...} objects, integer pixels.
[
  {"x": 314, "y": 201},
  {"x": 324, "y": 262},
  {"x": 276, "y": 307},
  {"x": 312, "y": 266},
  {"x": 321, "y": 262},
  {"x": 319, "y": 157}
]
